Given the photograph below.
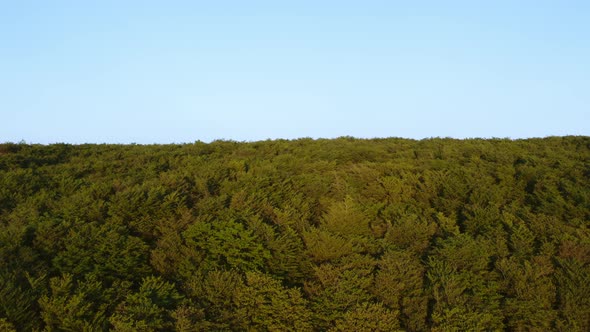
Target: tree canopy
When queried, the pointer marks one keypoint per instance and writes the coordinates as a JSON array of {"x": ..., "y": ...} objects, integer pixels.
[{"x": 304, "y": 235}]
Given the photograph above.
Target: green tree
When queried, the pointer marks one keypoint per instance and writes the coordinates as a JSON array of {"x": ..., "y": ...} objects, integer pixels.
[
  {"x": 226, "y": 244},
  {"x": 264, "y": 304},
  {"x": 573, "y": 291},
  {"x": 104, "y": 250},
  {"x": 399, "y": 285},
  {"x": 336, "y": 289},
  {"x": 530, "y": 293},
  {"x": 411, "y": 233},
  {"x": 79, "y": 305},
  {"x": 149, "y": 309},
  {"x": 464, "y": 292},
  {"x": 18, "y": 300},
  {"x": 369, "y": 317}
]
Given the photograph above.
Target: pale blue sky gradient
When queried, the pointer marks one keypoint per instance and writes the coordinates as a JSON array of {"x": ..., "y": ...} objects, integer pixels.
[{"x": 179, "y": 71}]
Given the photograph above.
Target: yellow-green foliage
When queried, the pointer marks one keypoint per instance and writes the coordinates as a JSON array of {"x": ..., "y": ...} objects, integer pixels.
[{"x": 304, "y": 235}]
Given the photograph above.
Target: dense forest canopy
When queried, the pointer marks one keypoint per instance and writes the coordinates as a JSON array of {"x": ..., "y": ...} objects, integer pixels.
[{"x": 327, "y": 235}]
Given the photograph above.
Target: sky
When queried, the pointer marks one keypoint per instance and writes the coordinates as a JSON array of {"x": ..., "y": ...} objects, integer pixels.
[{"x": 145, "y": 72}]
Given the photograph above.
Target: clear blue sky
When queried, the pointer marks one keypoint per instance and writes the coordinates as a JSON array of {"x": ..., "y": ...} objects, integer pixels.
[{"x": 180, "y": 71}]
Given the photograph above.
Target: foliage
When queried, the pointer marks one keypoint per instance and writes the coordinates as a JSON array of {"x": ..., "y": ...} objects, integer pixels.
[{"x": 304, "y": 235}]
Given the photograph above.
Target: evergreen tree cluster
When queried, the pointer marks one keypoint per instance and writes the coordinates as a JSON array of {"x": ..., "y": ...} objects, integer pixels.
[{"x": 304, "y": 235}]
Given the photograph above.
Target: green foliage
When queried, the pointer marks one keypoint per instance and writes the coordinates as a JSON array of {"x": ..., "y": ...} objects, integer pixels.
[
  {"x": 573, "y": 282},
  {"x": 264, "y": 304},
  {"x": 18, "y": 301},
  {"x": 346, "y": 219},
  {"x": 226, "y": 244},
  {"x": 464, "y": 292},
  {"x": 399, "y": 285},
  {"x": 410, "y": 233},
  {"x": 368, "y": 317},
  {"x": 105, "y": 251},
  {"x": 530, "y": 293},
  {"x": 149, "y": 309},
  {"x": 323, "y": 246},
  {"x": 288, "y": 258},
  {"x": 336, "y": 289},
  {"x": 230, "y": 300},
  {"x": 309, "y": 235},
  {"x": 6, "y": 326},
  {"x": 73, "y": 306},
  {"x": 215, "y": 293}
]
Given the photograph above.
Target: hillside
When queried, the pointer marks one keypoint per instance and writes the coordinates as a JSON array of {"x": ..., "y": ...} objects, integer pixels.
[{"x": 328, "y": 235}]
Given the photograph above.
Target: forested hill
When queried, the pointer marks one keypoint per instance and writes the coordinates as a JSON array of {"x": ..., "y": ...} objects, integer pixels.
[{"x": 302, "y": 235}]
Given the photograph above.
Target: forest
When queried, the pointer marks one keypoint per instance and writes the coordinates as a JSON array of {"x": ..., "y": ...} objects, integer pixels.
[{"x": 341, "y": 234}]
